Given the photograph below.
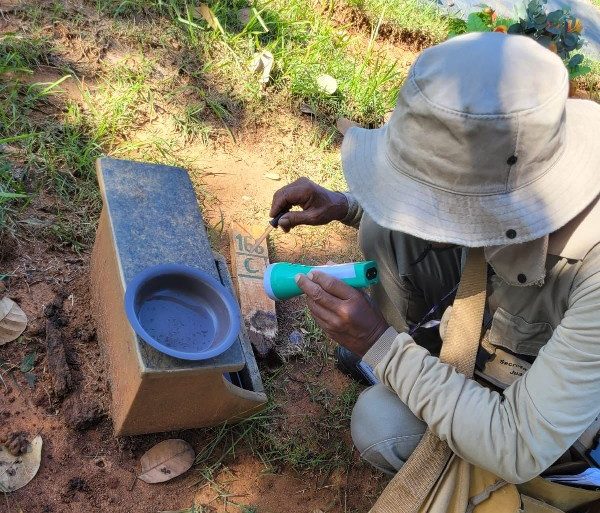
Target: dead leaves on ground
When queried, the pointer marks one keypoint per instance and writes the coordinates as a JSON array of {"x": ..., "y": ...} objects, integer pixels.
[
  {"x": 205, "y": 12},
  {"x": 166, "y": 460},
  {"x": 13, "y": 321},
  {"x": 17, "y": 470},
  {"x": 262, "y": 62}
]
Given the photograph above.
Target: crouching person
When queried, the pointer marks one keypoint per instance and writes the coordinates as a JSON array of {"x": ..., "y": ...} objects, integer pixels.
[{"x": 484, "y": 162}]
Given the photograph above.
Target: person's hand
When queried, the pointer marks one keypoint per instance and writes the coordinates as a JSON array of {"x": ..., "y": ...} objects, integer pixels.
[
  {"x": 344, "y": 313},
  {"x": 319, "y": 205}
]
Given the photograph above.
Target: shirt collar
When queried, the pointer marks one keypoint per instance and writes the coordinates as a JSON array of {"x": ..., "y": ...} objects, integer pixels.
[{"x": 520, "y": 264}]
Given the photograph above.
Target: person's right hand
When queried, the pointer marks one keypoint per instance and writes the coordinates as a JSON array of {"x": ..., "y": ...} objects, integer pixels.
[{"x": 319, "y": 205}]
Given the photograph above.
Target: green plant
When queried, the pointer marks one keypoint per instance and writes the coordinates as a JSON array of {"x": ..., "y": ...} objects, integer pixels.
[{"x": 559, "y": 30}]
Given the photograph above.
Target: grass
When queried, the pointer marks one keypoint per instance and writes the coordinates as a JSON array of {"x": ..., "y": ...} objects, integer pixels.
[
  {"x": 304, "y": 45},
  {"x": 313, "y": 446},
  {"x": 411, "y": 15},
  {"x": 116, "y": 116},
  {"x": 58, "y": 151}
]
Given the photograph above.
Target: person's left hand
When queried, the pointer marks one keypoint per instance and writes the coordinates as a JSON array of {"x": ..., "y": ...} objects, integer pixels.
[{"x": 344, "y": 313}]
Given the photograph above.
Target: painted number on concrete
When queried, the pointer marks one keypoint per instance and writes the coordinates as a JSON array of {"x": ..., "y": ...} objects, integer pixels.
[{"x": 253, "y": 262}]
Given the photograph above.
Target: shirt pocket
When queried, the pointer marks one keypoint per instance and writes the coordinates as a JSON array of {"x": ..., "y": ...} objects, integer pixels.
[{"x": 518, "y": 335}]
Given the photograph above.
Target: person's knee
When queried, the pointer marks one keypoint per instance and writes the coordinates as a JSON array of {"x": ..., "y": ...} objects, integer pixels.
[{"x": 384, "y": 430}]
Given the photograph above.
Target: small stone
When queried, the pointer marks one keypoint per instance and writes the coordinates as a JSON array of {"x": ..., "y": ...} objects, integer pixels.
[
  {"x": 327, "y": 84},
  {"x": 244, "y": 15},
  {"x": 272, "y": 176},
  {"x": 296, "y": 338}
]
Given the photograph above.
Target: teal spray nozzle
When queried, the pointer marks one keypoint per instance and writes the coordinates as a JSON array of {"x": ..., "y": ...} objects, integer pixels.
[{"x": 280, "y": 283}]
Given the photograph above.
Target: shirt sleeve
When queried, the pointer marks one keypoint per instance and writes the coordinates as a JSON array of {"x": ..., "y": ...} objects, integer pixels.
[
  {"x": 519, "y": 433},
  {"x": 355, "y": 211}
]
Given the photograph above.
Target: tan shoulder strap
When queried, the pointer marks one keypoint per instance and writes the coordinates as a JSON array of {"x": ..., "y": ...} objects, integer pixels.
[{"x": 409, "y": 488}]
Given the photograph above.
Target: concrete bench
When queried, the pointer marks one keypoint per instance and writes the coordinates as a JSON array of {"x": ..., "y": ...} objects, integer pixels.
[{"x": 151, "y": 216}]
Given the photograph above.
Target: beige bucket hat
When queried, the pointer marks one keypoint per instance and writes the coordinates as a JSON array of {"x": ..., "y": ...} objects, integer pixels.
[{"x": 483, "y": 147}]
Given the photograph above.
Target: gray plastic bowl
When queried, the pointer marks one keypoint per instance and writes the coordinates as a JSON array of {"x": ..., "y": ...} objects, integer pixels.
[{"x": 182, "y": 311}]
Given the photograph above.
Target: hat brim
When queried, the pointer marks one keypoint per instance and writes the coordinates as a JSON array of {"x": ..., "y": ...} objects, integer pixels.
[{"x": 398, "y": 202}]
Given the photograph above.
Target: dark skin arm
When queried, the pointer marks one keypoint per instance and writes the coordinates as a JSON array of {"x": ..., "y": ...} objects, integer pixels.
[{"x": 344, "y": 313}]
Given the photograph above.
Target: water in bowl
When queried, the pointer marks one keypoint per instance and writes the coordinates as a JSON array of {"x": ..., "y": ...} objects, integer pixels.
[{"x": 177, "y": 323}]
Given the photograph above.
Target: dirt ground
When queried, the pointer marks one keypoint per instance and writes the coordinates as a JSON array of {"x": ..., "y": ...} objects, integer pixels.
[{"x": 84, "y": 466}]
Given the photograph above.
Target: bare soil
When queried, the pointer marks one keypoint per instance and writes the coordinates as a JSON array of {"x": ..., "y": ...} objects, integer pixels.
[{"x": 84, "y": 467}]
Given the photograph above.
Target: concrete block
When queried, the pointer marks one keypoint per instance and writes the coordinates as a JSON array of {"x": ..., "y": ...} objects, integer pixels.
[{"x": 151, "y": 216}]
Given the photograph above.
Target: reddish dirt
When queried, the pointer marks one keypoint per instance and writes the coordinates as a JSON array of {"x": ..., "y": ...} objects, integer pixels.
[
  {"x": 84, "y": 466},
  {"x": 93, "y": 470},
  {"x": 357, "y": 20}
]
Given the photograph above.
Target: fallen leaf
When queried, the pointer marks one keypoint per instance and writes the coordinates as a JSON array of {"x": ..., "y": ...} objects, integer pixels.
[
  {"x": 17, "y": 471},
  {"x": 327, "y": 84},
  {"x": 213, "y": 22},
  {"x": 306, "y": 109},
  {"x": 166, "y": 460},
  {"x": 262, "y": 61},
  {"x": 10, "y": 150},
  {"x": 13, "y": 321},
  {"x": 343, "y": 124},
  {"x": 28, "y": 362},
  {"x": 272, "y": 176}
]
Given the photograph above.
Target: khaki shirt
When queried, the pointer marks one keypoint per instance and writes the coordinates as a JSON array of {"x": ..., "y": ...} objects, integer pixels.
[{"x": 552, "y": 319}]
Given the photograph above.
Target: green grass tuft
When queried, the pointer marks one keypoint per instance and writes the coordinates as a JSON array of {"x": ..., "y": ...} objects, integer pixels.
[{"x": 411, "y": 15}]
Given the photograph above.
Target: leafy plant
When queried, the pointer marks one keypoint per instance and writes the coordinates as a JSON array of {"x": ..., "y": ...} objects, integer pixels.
[{"x": 559, "y": 30}]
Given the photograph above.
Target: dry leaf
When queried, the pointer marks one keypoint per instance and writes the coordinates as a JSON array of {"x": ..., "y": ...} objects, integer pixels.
[
  {"x": 13, "y": 321},
  {"x": 327, "y": 84},
  {"x": 306, "y": 109},
  {"x": 262, "y": 61},
  {"x": 213, "y": 22},
  {"x": 166, "y": 460},
  {"x": 17, "y": 471},
  {"x": 343, "y": 124}
]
